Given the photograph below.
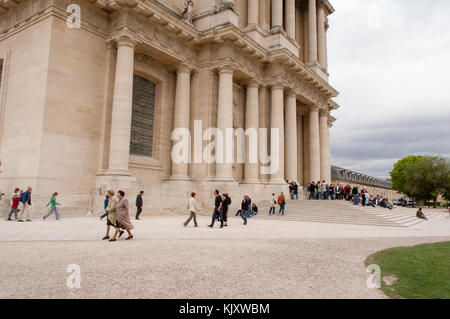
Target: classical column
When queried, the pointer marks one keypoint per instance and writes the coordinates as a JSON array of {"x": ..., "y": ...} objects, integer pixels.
[
  {"x": 322, "y": 38},
  {"x": 224, "y": 171},
  {"x": 119, "y": 150},
  {"x": 181, "y": 115},
  {"x": 325, "y": 161},
  {"x": 300, "y": 153},
  {"x": 314, "y": 145},
  {"x": 277, "y": 15},
  {"x": 253, "y": 12},
  {"x": 251, "y": 172},
  {"x": 290, "y": 18},
  {"x": 312, "y": 27},
  {"x": 277, "y": 122},
  {"x": 291, "y": 137}
]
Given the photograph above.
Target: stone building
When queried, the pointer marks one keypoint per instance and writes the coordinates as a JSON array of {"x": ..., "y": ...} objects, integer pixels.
[
  {"x": 91, "y": 106},
  {"x": 374, "y": 186}
]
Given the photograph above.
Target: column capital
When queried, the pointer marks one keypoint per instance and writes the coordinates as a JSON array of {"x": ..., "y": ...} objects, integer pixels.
[
  {"x": 226, "y": 69},
  {"x": 253, "y": 83},
  {"x": 291, "y": 93},
  {"x": 314, "y": 108},
  {"x": 183, "y": 68},
  {"x": 277, "y": 86},
  {"x": 125, "y": 41}
]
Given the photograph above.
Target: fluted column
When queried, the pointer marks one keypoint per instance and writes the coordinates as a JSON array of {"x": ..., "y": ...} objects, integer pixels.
[
  {"x": 291, "y": 137},
  {"x": 314, "y": 145},
  {"x": 277, "y": 15},
  {"x": 253, "y": 12},
  {"x": 181, "y": 115},
  {"x": 119, "y": 150},
  {"x": 300, "y": 153},
  {"x": 325, "y": 161},
  {"x": 251, "y": 172},
  {"x": 312, "y": 26},
  {"x": 277, "y": 122},
  {"x": 224, "y": 171},
  {"x": 290, "y": 18},
  {"x": 322, "y": 40}
]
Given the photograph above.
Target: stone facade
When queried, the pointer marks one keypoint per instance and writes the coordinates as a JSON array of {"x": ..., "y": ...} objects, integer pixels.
[
  {"x": 374, "y": 186},
  {"x": 66, "y": 99}
]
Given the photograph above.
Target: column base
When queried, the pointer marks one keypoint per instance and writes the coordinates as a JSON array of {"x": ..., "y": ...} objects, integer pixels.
[
  {"x": 252, "y": 181},
  {"x": 277, "y": 181},
  {"x": 114, "y": 172},
  {"x": 179, "y": 178}
]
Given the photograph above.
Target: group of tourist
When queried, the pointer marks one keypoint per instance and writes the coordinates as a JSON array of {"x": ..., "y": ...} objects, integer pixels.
[
  {"x": 248, "y": 209},
  {"x": 323, "y": 191}
]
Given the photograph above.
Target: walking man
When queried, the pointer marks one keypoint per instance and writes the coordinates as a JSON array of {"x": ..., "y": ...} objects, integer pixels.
[
  {"x": 273, "y": 202},
  {"x": 193, "y": 208},
  {"x": 26, "y": 201},
  {"x": 53, "y": 208},
  {"x": 217, "y": 209},
  {"x": 139, "y": 204}
]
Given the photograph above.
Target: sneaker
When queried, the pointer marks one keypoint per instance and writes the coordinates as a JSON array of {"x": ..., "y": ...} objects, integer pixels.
[{"x": 8, "y": 219}]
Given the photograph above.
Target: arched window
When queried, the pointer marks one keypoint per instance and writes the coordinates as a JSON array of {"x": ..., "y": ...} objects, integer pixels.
[{"x": 141, "y": 141}]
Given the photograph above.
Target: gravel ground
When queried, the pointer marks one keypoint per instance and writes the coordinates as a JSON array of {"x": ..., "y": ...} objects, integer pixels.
[{"x": 195, "y": 268}]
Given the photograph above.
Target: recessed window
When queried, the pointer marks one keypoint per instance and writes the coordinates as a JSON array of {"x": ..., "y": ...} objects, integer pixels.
[{"x": 142, "y": 120}]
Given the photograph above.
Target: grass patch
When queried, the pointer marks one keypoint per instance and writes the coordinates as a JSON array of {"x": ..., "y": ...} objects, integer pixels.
[{"x": 422, "y": 272}]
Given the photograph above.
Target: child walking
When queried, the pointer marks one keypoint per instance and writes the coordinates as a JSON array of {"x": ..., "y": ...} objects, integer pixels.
[{"x": 53, "y": 208}]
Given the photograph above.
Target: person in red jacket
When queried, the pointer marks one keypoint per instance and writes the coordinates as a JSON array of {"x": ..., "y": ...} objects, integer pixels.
[{"x": 14, "y": 204}]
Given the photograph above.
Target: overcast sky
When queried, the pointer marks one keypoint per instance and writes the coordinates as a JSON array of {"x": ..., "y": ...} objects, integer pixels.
[{"x": 390, "y": 61}]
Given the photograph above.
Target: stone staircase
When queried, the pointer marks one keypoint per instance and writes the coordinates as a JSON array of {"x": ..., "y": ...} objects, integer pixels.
[{"x": 340, "y": 212}]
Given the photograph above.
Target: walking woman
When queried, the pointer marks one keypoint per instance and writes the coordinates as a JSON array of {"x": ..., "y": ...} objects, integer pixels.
[
  {"x": 53, "y": 208},
  {"x": 111, "y": 213},
  {"x": 122, "y": 217},
  {"x": 193, "y": 208}
]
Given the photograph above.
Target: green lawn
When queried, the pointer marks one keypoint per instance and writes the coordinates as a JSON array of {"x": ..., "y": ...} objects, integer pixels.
[{"x": 423, "y": 271}]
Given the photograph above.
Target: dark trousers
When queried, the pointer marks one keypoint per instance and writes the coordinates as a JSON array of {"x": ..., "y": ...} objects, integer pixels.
[
  {"x": 138, "y": 212},
  {"x": 192, "y": 216},
  {"x": 217, "y": 213}
]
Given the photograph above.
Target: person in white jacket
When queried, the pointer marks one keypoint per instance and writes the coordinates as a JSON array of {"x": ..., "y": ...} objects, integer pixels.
[{"x": 193, "y": 208}]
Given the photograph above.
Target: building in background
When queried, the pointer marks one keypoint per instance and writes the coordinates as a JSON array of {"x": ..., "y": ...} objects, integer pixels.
[
  {"x": 374, "y": 186},
  {"x": 85, "y": 109}
]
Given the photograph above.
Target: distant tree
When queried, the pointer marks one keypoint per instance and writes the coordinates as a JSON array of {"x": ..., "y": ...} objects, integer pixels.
[
  {"x": 422, "y": 177},
  {"x": 398, "y": 175}
]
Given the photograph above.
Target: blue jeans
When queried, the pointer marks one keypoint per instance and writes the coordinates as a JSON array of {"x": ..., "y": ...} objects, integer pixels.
[
  {"x": 244, "y": 216},
  {"x": 292, "y": 194},
  {"x": 104, "y": 215},
  {"x": 13, "y": 210},
  {"x": 53, "y": 209},
  {"x": 272, "y": 209},
  {"x": 355, "y": 199},
  {"x": 216, "y": 213},
  {"x": 282, "y": 208}
]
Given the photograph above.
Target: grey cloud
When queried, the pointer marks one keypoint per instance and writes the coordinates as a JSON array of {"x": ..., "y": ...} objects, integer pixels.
[{"x": 390, "y": 61}]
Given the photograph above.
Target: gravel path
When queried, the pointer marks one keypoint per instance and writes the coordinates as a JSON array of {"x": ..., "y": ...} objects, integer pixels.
[{"x": 195, "y": 268}]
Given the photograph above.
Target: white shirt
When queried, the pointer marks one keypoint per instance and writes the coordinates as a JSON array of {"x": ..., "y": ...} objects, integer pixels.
[{"x": 193, "y": 205}]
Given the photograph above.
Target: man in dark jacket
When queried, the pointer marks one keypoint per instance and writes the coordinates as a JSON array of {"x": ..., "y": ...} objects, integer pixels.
[
  {"x": 218, "y": 202},
  {"x": 26, "y": 202},
  {"x": 139, "y": 204}
]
